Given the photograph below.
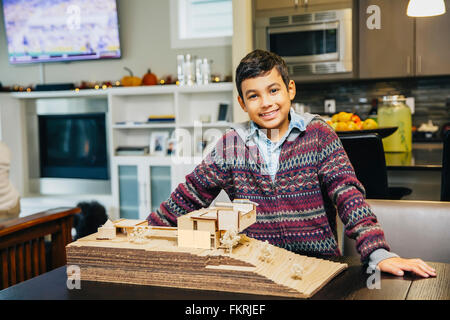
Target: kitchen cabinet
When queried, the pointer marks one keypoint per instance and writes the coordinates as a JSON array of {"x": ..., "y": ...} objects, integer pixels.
[
  {"x": 403, "y": 46},
  {"x": 300, "y": 4},
  {"x": 279, "y": 4},
  {"x": 388, "y": 51},
  {"x": 312, "y": 3},
  {"x": 142, "y": 184},
  {"x": 433, "y": 44},
  {"x": 129, "y": 199}
]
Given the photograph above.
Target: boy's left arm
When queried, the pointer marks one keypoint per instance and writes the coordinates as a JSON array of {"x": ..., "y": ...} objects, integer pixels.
[{"x": 347, "y": 194}]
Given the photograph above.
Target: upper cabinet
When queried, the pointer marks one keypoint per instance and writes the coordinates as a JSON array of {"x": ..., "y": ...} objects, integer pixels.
[
  {"x": 433, "y": 44},
  {"x": 270, "y": 4},
  {"x": 300, "y": 4},
  {"x": 402, "y": 46},
  {"x": 389, "y": 50}
]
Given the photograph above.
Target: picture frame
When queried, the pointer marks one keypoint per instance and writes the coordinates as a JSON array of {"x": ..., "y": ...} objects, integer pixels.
[
  {"x": 224, "y": 112},
  {"x": 158, "y": 142},
  {"x": 171, "y": 147}
]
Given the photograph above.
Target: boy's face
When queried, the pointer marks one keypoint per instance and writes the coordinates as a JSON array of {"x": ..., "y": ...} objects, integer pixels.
[{"x": 267, "y": 102}]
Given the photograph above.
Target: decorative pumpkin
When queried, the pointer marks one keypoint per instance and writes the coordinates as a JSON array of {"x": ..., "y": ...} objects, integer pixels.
[
  {"x": 131, "y": 80},
  {"x": 149, "y": 79}
]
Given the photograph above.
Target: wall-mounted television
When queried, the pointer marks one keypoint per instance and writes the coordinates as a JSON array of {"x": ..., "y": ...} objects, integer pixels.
[{"x": 61, "y": 30}]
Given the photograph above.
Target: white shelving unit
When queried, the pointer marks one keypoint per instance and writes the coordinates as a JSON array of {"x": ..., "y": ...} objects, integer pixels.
[
  {"x": 150, "y": 179},
  {"x": 140, "y": 183}
]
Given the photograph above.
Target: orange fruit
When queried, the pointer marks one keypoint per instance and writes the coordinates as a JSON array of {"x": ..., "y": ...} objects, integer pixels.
[
  {"x": 369, "y": 124},
  {"x": 351, "y": 126},
  {"x": 356, "y": 118},
  {"x": 344, "y": 116},
  {"x": 341, "y": 126}
]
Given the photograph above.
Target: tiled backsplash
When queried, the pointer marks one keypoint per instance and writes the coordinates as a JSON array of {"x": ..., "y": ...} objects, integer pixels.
[{"x": 432, "y": 96}]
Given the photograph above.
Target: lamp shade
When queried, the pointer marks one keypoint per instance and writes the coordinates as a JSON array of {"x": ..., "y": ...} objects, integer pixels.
[{"x": 425, "y": 8}]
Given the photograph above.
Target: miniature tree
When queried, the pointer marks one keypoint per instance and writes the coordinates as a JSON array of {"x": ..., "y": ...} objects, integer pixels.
[
  {"x": 230, "y": 239},
  {"x": 266, "y": 253},
  {"x": 297, "y": 271},
  {"x": 138, "y": 235}
]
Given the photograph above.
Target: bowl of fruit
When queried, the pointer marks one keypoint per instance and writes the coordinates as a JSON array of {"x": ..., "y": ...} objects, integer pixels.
[{"x": 350, "y": 123}]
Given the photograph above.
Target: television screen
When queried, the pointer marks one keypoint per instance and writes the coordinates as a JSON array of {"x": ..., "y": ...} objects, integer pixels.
[
  {"x": 61, "y": 30},
  {"x": 73, "y": 146}
]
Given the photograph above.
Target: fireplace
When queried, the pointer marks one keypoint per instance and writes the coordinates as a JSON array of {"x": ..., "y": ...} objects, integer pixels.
[
  {"x": 68, "y": 146},
  {"x": 73, "y": 146}
]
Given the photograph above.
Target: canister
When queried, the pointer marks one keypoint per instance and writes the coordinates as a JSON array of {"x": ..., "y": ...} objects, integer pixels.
[{"x": 395, "y": 113}]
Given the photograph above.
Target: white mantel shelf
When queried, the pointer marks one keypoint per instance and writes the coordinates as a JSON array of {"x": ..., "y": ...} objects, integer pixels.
[
  {"x": 59, "y": 94},
  {"x": 125, "y": 91}
]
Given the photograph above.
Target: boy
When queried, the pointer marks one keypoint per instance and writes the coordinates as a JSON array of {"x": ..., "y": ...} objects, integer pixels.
[{"x": 294, "y": 167}]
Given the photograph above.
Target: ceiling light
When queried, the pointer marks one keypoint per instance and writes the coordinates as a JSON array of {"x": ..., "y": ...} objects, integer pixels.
[{"x": 425, "y": 8}]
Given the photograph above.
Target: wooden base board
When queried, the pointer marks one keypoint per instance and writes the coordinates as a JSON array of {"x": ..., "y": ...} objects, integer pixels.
[{"x": 160, "y": 262}]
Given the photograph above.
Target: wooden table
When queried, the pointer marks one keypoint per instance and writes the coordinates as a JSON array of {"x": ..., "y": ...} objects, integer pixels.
[{"x": 349, "y": 285}]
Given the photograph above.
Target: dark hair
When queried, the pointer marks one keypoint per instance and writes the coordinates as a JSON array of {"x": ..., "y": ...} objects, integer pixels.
[
  {"x": 258, "y": 63},
  {"x": 92, "y": 216}
]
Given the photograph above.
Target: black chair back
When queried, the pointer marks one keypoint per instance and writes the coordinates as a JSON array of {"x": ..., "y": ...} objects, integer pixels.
[
  {"x": 366, "y": 154},
  {"x": 445, "y": 181}
]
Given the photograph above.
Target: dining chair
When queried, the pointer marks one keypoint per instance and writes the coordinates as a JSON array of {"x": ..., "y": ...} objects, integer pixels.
[
  {"x": 366, "y": 154},
  {"x": 35, "y": 244},
  {"x": 412, "y": 228}
]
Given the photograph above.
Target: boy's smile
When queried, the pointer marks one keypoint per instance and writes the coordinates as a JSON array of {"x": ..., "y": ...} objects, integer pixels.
[{"x": 268, "y": 102}]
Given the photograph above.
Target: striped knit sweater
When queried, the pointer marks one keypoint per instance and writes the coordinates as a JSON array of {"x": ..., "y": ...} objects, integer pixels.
[{"x": 297, "y": 211}]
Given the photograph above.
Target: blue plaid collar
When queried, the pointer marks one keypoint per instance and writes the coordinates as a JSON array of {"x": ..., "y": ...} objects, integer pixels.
[{"x": 296, "y": 121}]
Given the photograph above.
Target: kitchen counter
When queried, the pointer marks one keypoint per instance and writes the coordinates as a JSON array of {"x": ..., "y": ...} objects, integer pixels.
[
  {"x": 419, "y": 170},
  {"x": 424, "y": 156}
]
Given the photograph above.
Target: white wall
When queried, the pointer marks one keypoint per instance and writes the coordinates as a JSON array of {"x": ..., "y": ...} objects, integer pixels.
[
  {"x": 242, "y": 44},
  {"x": 145, "y": 40}
]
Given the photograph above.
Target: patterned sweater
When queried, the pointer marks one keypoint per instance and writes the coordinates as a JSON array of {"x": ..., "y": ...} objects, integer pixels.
[{"x": 297, "y": 211}]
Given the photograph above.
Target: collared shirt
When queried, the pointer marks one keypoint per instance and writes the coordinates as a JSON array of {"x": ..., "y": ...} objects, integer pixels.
[
  {"x": 271, "y": 150},
  {"x": 271, "y": 155}
]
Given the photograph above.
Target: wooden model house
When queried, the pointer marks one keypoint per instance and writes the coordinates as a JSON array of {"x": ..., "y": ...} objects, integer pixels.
[
  {"x": 110, "y": 229},
  {"x": 204, "y": 228},
  {"x": 107, "y": 231},
  {"x": 204, "y": 252}
]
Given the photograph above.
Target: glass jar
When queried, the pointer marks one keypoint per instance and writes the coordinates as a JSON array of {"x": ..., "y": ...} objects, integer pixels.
[{"x": 395, "y": 113}]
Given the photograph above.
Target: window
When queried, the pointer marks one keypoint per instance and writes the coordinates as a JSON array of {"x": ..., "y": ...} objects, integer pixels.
[{"x": 201, "y": 23}]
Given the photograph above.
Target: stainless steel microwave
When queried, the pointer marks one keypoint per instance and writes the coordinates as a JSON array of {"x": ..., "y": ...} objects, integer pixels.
[{"x": 316, "y": 43}]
